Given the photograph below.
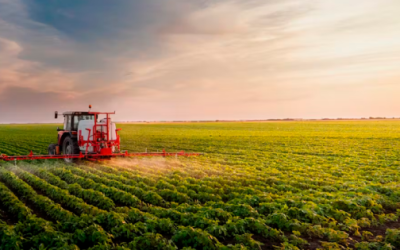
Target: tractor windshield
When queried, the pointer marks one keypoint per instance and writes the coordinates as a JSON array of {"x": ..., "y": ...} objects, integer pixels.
[
  {"x": 78, "y": 118},
  {"x": 67, "y": 122}
]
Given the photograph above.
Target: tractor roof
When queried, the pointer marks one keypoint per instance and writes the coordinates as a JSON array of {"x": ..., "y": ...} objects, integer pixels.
[
  {"x": 76, "y": 113},
  {"x": 87, "y": 113}
]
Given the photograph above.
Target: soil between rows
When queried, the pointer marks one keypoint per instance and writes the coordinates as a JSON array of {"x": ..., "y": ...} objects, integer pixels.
[{"x": 10, "y": 220}]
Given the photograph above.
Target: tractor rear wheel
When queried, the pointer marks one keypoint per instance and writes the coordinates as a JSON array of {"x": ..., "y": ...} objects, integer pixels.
[
  {"x": 70, "y": 147},
  {"x": 52, "y": 148}
]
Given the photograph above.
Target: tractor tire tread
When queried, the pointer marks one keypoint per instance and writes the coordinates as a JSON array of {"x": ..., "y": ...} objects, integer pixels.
[{"x": 74, "y": 142}]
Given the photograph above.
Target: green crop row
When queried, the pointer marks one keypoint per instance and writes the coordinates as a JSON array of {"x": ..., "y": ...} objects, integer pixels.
[
  {"x": 72, "y": 229},
  {"x": 116, "y": 195},
  {"x": 90, "y": 196}
]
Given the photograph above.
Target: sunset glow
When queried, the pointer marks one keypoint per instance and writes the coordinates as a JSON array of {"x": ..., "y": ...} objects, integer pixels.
[{"x": 197, "y": 60}]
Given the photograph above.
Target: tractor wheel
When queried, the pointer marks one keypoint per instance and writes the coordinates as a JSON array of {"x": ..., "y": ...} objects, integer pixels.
[
  {"x": 70, "y": 147},
  {"x": 52, "y": 148}
]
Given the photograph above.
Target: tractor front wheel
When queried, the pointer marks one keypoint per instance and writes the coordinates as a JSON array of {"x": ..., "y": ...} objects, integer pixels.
[
  {"x": 52, "y": 148},
  {"x": 70, "y": 147}
]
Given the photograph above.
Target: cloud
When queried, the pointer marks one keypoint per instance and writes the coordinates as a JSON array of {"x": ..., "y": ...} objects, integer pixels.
[
  {"x": 17, "y": 72},
  {"x": 216, "y": 19},
  {"x": 153, "y": 59}
]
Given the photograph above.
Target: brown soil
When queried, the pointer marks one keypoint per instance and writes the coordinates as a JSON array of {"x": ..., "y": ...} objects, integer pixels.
[
  {"x": 314, "y": 243},
  {"x": 10, "y": 220},
  {"x": 268, "y": 244}
]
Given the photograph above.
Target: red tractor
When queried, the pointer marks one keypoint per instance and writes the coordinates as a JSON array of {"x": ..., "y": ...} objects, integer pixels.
[
  {"x": 84, "y": 132},
  {"x": 89, "y": 135}
]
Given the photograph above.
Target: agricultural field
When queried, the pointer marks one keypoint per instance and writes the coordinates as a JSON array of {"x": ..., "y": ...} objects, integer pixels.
[{"x": 272, "y": 185}]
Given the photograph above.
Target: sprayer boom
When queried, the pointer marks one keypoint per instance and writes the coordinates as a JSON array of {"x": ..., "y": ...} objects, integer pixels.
[{"x": 100, "y": 156}]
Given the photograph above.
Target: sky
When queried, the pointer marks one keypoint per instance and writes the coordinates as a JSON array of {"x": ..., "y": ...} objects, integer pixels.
[{"x": 199, "y": 60}]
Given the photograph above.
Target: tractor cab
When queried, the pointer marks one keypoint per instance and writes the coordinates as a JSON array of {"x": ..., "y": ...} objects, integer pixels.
[{"x": 72, "y": 119}]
